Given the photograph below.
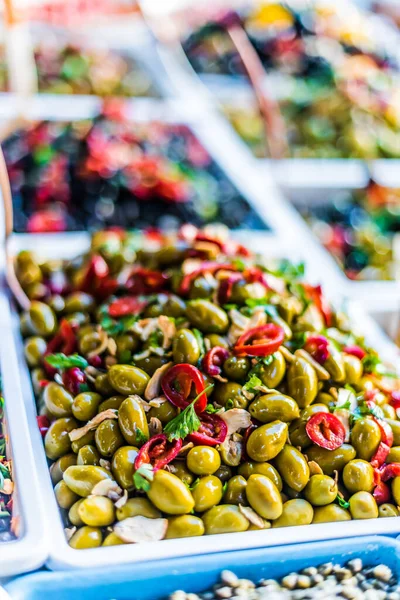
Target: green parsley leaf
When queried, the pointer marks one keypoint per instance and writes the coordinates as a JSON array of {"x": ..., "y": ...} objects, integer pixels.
[
  {"x": 186, "y": 422},
  {"x": 210, "y": 409},
  {"x": 231, "y": 306},
  {"x": 224, "y": 487},
  {"x": 342, "y": 502},
  {"x": 239, "y": 264},
  {"x": 289, "y": 271},
  {"x": 372, "y": 364},
  {"x": 113, "y": 327},
  {"x": 252, "y": 383},
  {"x": 62, "y": 361},
  {"x": 143, "y": 477},
  {"x": 298, "y": 340},
  {"x": 141, "y": 438},
  {"x": 154, "y": 339},
  {"x": 254, "y": 302},
  {"x": 346, "y": 405},
  {"x": 200, "y": 341}
]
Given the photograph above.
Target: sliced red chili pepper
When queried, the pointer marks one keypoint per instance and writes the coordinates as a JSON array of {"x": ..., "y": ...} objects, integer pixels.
[
  {"x": 318, "y": 347},
  {"x": 205, "y": 267},
  {"x": 213, "y": 360},
  {"x": 202, "y": 237},
  {"x": 225, "y": 287},
  {"x": 260, "y": 341},
  {"x": 96, "y": 271},
  {"x": 255, "y": 275},
  {"x": 381, "y": 493},
  {"x": 43, "y": 424},
  {"x": 64, "y": 341},
  {"x": 158, "y": 452},
  {"x": 212, "y": 431},
  {"x": 315, "y": 294},
  {"x": 355, "y": 351},
  {"x": 380, "y": 455},
  {"x": 390, "y": 471},
  {"x": 144, "y": 281},
  {"x": 326, "y": 430},
  {"x": 395, "y": 399},
  {"x": 73, "y": 379},
  {"x": 177, "y": 386},
  {"x": 127, "y": 305}
]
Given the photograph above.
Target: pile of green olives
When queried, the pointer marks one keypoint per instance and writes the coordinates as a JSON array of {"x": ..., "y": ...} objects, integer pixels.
[{"x": 187, "y": 387}]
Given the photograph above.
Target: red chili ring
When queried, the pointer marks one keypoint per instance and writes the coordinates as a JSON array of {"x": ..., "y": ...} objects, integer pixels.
[
  {"x": 158, "y": 452},
  {"x": 213, "y": 360},
  {"x": 213, "y": 431},
  {"x": 260, "y": 341},
  {"x": 177, "y": 385},
  {"x": 326, "y": 430}
]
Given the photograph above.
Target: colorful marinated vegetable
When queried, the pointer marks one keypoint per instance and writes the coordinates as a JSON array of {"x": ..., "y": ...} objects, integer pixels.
[
  {"x": 8, "y": 525},
  {"x": 174, "y": 414}
]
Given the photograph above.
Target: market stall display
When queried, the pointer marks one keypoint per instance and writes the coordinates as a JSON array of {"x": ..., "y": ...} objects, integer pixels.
[{"x": 7, "y": 527}]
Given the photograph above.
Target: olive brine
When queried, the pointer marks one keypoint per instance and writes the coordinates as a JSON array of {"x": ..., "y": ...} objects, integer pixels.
[{"x": 187, "y": 387}]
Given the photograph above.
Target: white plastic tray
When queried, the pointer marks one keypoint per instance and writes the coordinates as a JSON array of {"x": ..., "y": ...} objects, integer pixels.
[{"x": 61, "y": 556}]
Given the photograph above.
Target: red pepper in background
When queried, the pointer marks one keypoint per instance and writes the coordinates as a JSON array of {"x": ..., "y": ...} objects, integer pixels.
[
  {"x": 315, "y": 295},
  {"x": 64, "y": 341},
  {"x": 214, "y": 359},
  {"x": 225, "y": 287},
  {"x": 326, "y": 430},
  {"x": 212, "y": 431},
  {"x": 158, "y": 452},
  {"x": 381, "y": 493},
  {"x": 144, "y": 281},
  {"x": 206, "y": 267},
  {"x": 355, "y": 351},
  {"x": 389, "y": 471},
  {"x": 177, "y": 385},
  {"x": 317, "y": 346},
  {"x": 127, "y": 305},
  {"x": 43, "y": 424},
  {"x": 255, "y": 275},
  {"x": 260, "y": 341},
  {"x": 96, "y": 271},
  {"x": 73, "y": 379},
  {"x": 395, "y": 399},
  {"x": 385, "y": 444}
]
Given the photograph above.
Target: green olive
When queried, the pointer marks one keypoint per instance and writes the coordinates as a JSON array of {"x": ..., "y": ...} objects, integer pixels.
[
  {"x": 224, "y": 473},
  {"x": 179, "y": 468},
  {"x": 113, "y": 402},
  {"x": 388, "y": 510},
  {"x": 267, "y": 441},
  {"x": 274, "y": 406},
  {"x": 57, "y": 400},
  {"x": 78, "y": 302},
  {"x": 81, "y": 479},
  {"x": 103, "y": 385},
  {"x": 185, "y": 347},
  {"x": 97, "y": 511},
  {"x": 132, "y": 421},
  {"x": 353, "y": 368},
  {"x": 365, "y": 437},
  {"x": 138, "y": 507},
  {"x": 321, "y": 490},
  {"x": 302, "y": 382},
  {"x": 87, "y": 439},
  {"x": 34, "y": 349},
  {"x": 224, "y": 518},
  {"x": 169, "y": 494},
  {"x": 207, "y": 493},
  {"x": 59, "y": 466},
  {"x": 389, "y": 411},
  {"x": 73, "y": 515},
  {"x": 56, "y": 441},
  {"x": 203, "y": 460},
  {"x": 358, "y": 476},
  {"x": 394, "y": 455},
  {"x": 232, "y": 453},
  {"x": 86, "y": 537},
  {"x": 230, "y": 394},
  {"x": 150, "y": 364},
  {"x": 43, "y": 319},
  {"x": 88, "y": 455},
  {"x": 335, "y": 365},
  {"x": 122, "y": 466},
  {"x": 206, "y": 316},
  {"x": 127, "y": 344},
  {"x": 264, "y": 497},
  {"x": 330, "y": 513},
  {"x": 37, "y": 376},
  {"x": 331, "y": 460},
  {"x": 85, "y": 405},
  {"x": 108, "y": 437},
  {"x": 184, "y": 526},
  {"x": 127, "y": 379},
  {"x": 174, "y": 306},
  {"x": 64, "y": 496},
  {"x": 271, "y": 375},
  {"x": 216, "y": 340},
  {"x": 297, "y": 429},
  {"x": 113, "y": 540},
  {"x": 235, "y": 492},
  {"x": 395, "y": 427},
  {"x": 295, "y": 512},
  {"x": 253, "y": 468},
  {"x": 293, "y": 468},
  {"x": 396, "y": 490},
  {"x": 236, "y": 368},
  {"x": 165, "y": 412},
  {"x": 201, "y": 288},
  {"x": 363, "y": 506}
]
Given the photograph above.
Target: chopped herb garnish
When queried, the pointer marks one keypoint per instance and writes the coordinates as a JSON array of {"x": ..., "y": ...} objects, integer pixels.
[
  {"x": 62, "y": 361},
  {"x": 231, "y": 306},
  {"x": 239, "y": 264},
  {"x": 186, "y": 422},
  {"x": 342, "y": 502},
  {"x": 113, "y": 327},
  {"x": 345, "y": 406},
  {"x": 289, "y": 271},
  {"x": 141, "y": 438},
  {"x": 200, "y": 341},
  {"x": 298, "y": 340},
  {"x": 373, "y": 364},
  {"x": 143, "y": 477},
  {"x": 224, "y": 487},
  {"x": 210, "y": 409},
  {"x": 252, "y": 383}
]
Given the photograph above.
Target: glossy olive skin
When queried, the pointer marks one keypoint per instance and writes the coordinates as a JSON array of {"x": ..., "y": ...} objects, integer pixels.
[
  {"x": 297, "y": 429},
  {"x": 224, "y": 473},
  {"x": 335, "y": 365},
  {"x": 274, "y": 406},
  {"x": 264, "y": 497},
  {"x": 137, "y": 507},
  {"x": 396, "y": 490},
  {"x": 224, "y": 518},
  {"x": 230, "y": 392},
  {"x": 86, "y": 439},
  {"x": 86, "y": 537},
  {"x": 131, "y": 418},
  {"x": 57, "y": 400},
  {"x": 271, "y": 375},
  {"x": 207, "y": 493},
  {"x": 265, "y": 442},
  {"x": 64, "y": 496},
  {"x": 185, "y": 348},
  {"x": 235, "y": 492},
  {"x": 330, "y": 513},
  {"x": 295, "y": 512},
  {"x": 302, "y": 382},
  {"x": 122, "y": 466},
  {"x": 179, "y": 468},
  {"x": 165, "y": 412},
  {"x": 363, "y": 506},
  {"x": 216, "y": 340},
  {"x": 103, "y": 385},
  {"x": 331, "y": 460},
  {"x": 169, "y": 494},
  {"x": 113, "y": 402},
  {"x": 365, "y": 437},
  {"x": 203, "y": 460},
  {"x": 85, "y": 405},
  {"x": 253, "y": 468},
  {"x": 387, "y": 510},
  {"x": 184, "y": 526},
  {"x": 42, "y": 318},
  {"x": 108, "y": 437},
  {"x": 78, "y": 302},
  {"x": 127, "y": 379},
  {"x": 88, "y": 455},
  {"x": 56, "y": 441},
  {"x": 358, "y": 476},
  {"x": 34, "y": 349},
  {"x": 150, "y": 364},
  {"x": 293, "y": 468},
  {"x": 59, "y": 466},
  {"x": 206, "y": 316},
  {"x": 81, "y": 479},
  {"x": 97, "y": 511},
  {"x": 236, "y": 368},
  {"x": 321, "y": 490},
  {"x": 394, "y": 455},
  {"x": 353, "y": 369},
  {"x": 112, "y": 540},
  {"x": 89, "y": 342},
  {"x": 73, "y": 515},
  {"x": 395, "y": 427}
]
